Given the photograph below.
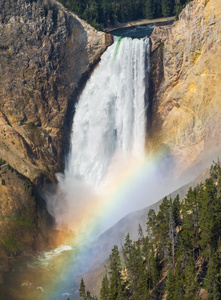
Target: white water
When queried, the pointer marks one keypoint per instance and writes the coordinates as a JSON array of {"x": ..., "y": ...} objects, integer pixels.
[
  {"x": 109, "y": 125},
  {"x": 45, "y": 258},
  {"x": 110, "y": 115}
]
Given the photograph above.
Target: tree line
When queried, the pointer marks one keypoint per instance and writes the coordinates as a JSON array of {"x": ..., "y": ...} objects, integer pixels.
[
  {"x": 180, "y": 254},
  {"x": 101, "y": 13}
]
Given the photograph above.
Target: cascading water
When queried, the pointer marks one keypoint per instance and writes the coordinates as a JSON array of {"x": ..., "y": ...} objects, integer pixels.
[
  {"x": 108, "y": 128},
  {"x": 110, "y": 115}
]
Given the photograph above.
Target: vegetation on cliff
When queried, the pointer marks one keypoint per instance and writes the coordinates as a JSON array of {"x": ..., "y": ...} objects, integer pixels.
[
  {"x": 180, "y": 258},
  {"x": 100, "y": 13}
]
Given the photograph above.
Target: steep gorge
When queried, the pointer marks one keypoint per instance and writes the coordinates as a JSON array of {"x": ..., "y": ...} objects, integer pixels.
[{"x": 47, "y": 53}]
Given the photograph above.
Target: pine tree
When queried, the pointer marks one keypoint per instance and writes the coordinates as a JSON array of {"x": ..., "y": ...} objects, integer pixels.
[
  {"x": 190, "y": 281},
  {"x": 140, "y": 234},
  {"x": 157, "y": 8},
  {"x": 179, "y": 282},
  {"x": 104, "y": 292},
  {"x": 133, "y": 263},
  {"x": 176, "y": 207},
  {"x": 146, "y": 249},
  {"x": 88, "y": 296},
  {"x": 152, "y": 225},
  {"x": 146, "y": 252},
  {"x": 177, "y": 8},
  {"x": 173, "y": 236},
  {"x": 163, "y": 227},
  {"x": 170, "y": 286},
  {"x": 82, "y": 290},
  {"x": 166, "y": 8},
  {"x": 142, "y": 285},
  {"x": 210, "y": 218},
  {"x": 213, "y": 278},
  {"x": 115, "y": 274},
  {"x": 190, "y": 224},
  {"x": 149, "y": 9},
  {"x": 154, "y": 269}
]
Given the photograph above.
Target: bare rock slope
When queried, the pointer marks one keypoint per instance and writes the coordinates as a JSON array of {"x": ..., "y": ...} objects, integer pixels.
[
  {"x": 46, "y": 53},
  {"x": 186, "y": 89}
]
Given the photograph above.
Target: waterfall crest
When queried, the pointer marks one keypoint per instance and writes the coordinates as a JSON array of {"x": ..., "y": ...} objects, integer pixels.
[{"x": 110, "y": 114}]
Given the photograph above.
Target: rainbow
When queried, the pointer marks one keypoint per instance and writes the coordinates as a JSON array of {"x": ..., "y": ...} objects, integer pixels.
[
  {"x": 130, "y": 182},
  {"x": 104, "y": 206}
]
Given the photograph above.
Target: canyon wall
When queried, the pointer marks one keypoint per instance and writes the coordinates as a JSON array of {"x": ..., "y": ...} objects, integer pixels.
[
  {"x": 186, "y": 84},
  {"x": 46, "y": 54}
]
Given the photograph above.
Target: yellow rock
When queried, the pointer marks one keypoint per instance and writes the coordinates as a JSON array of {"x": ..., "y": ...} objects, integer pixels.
[{"x": 190, "y": 127}]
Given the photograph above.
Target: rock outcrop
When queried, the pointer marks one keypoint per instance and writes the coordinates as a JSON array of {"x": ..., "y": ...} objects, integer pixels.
[
  {"x": 186, "y": 89},
  {"x": 46, "y": 54}
]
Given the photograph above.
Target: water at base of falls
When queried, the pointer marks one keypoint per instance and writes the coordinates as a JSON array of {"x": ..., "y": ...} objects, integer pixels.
[{"x": 36, "y": 277}]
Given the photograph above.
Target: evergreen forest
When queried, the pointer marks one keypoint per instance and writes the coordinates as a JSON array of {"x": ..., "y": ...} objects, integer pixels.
[
  {"x": 179, "y": 257},
  {"x": 101, "y": 13}
]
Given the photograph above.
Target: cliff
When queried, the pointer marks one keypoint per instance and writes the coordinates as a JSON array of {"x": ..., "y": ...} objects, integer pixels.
[
  {"x": 46, "y": 54},
  {"x": 186, "y": 90}
]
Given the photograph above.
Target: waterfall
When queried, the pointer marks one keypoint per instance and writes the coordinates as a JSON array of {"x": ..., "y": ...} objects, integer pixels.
[
  {"x": 108, "y": 129},
  {"x": 110, "y": 115}
]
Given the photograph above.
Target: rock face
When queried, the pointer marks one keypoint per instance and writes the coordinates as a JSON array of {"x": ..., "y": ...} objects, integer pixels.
[
  {"x": 46, "y": 53},
  {"x": 186, "y": 89},
  {"x": 24, "y": 221},
  {"x": 25, "y": 225}
]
